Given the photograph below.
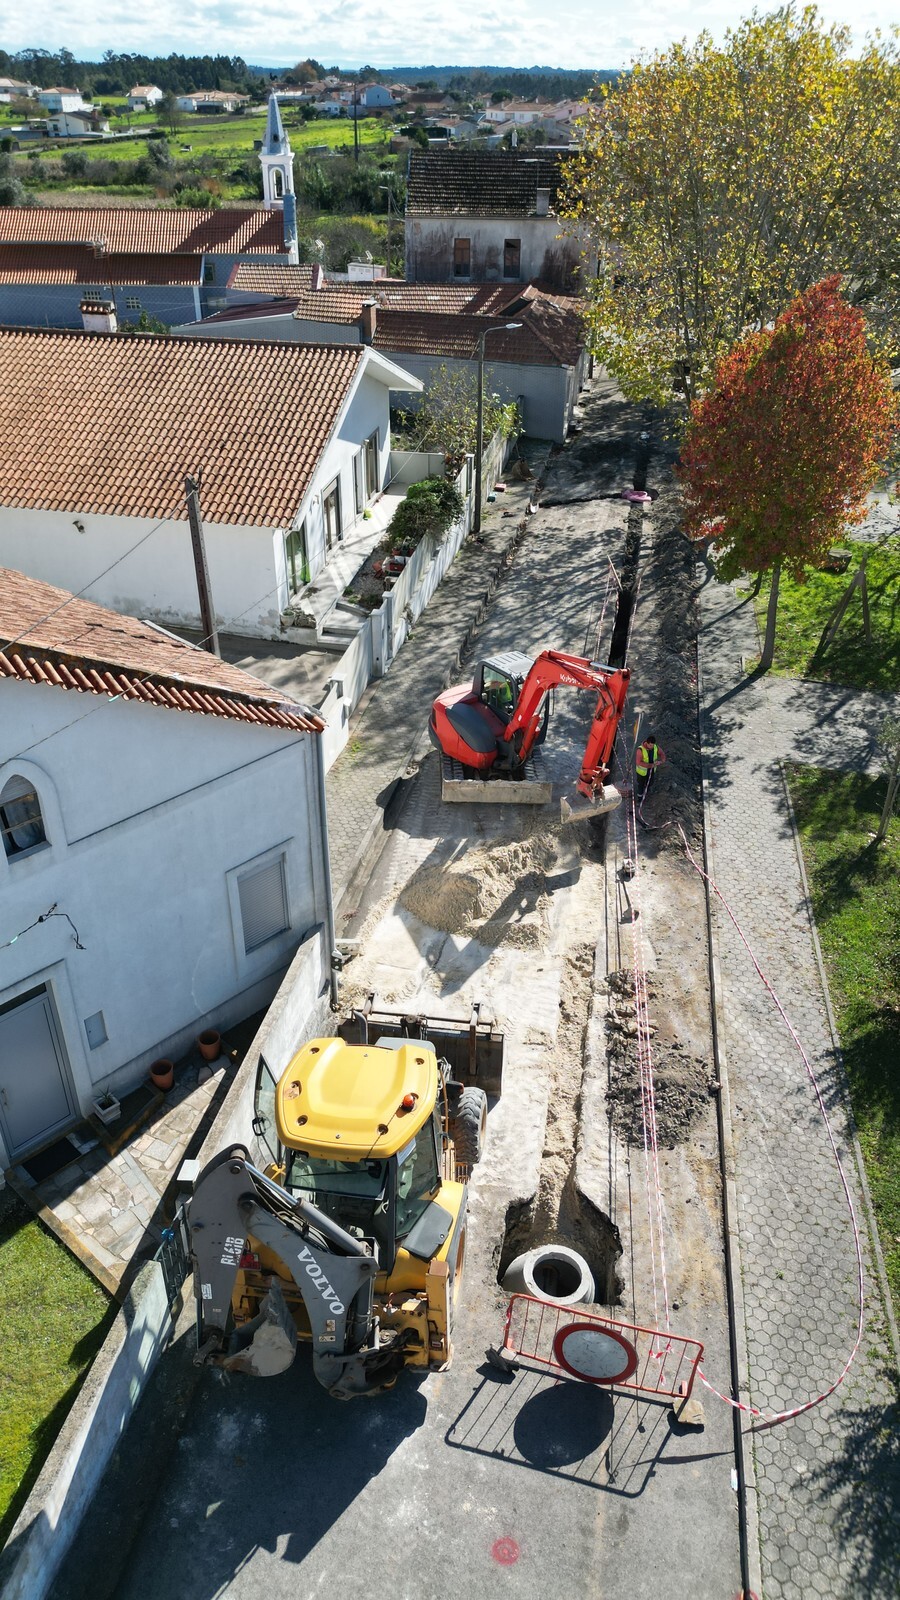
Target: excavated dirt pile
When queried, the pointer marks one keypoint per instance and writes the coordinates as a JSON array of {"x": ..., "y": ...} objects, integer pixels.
[
  {"x": 498, "y": 895},
  {"x": 683, "y": 1082}
]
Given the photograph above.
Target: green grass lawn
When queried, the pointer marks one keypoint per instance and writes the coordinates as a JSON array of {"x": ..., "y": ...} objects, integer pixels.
[
  {"x": 804, "y": 610},
  {"x": 54, "y": 1318},
  {"x": 856, "y": 900}
]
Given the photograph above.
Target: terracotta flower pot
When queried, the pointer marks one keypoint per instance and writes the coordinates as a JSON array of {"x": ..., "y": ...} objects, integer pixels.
[
  {"x": 209, "y": 1043},
  {"x": 162, "y": 1074}
]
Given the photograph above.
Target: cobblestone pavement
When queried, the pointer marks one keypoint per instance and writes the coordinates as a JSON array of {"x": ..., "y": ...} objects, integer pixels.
[
  {"x": 386, "y": 729},
  {"x": 828, "y": 1481}
]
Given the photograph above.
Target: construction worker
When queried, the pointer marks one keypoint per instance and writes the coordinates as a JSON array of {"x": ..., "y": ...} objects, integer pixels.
[{"x": 647, "y": 758}]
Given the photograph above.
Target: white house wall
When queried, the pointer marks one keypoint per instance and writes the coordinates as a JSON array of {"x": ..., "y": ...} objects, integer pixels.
[
  {"x": 547, "y": 394},
  {"x": 546, "y": 251},
  {"x": 367, "y": 411},
  {"x": 156, "y": 580},
  {"x": 147, "y": 812}
]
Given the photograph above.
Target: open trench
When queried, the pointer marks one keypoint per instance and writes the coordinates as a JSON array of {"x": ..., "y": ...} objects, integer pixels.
[{"x": 560, "y": 1213}]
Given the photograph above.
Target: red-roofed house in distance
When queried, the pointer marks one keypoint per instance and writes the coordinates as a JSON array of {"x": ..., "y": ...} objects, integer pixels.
[
  {"x": 542, "y": 362},
  {"x": 163, "y": 860},
  {"x": 291, "y": 443}
]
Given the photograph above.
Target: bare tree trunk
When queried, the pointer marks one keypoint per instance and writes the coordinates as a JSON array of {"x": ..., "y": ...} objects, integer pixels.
[
  {"x": 890, "y": 798},
  {"x": 768, "y": 651}
]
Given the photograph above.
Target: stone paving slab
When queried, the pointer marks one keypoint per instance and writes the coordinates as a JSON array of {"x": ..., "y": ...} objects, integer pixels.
[
  {"x": 827, "y": 1481},
  {"x": 110, "y": 1210}
]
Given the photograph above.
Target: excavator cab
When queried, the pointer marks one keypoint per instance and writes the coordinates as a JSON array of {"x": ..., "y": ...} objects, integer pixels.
[{"x": 348, "y": 1227}]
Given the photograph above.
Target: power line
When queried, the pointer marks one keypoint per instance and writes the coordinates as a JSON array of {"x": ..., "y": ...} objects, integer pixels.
[{"x": 80, "y": 593}]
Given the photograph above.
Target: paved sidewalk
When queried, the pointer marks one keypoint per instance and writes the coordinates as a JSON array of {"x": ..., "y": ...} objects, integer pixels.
[
  {"x": 827, "y": 1481},
  {"x": 393, "y": 716},
  {"x": 110, "y": 1210}
]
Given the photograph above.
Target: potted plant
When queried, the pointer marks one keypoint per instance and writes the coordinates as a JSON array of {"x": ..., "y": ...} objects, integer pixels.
[
  {"x": 209, "y": 1043},
  {"x": 106, "y": 1107},
  {"x": 162, "y": 1074}
]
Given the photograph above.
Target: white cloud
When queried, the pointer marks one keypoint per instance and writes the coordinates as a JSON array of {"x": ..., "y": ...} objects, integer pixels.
[{"x": 404, "y": 32}]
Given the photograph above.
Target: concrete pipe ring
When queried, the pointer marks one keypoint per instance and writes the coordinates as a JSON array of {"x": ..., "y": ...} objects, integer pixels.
[{"x": 554, "y": 1273}]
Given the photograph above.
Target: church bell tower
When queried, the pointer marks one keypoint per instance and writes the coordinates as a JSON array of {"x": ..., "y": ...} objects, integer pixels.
[{"x": 277, "y": 162}]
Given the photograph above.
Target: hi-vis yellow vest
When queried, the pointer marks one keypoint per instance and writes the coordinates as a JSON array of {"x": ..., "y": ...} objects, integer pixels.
[{"x": 646, "y": 758}]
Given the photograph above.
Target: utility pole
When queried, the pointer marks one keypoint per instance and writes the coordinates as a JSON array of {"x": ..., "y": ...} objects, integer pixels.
[
  {"x": 210, "y": 640},
  {"x": 506, "y": 327},
  {"x": 385, "y": 189},
  {"x": 356, "y": 125}
]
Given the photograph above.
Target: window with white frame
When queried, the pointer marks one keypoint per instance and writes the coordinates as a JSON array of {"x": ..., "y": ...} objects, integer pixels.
[
  {"x": 262, "y": 893},
  {"x": 21, "y": 820}
]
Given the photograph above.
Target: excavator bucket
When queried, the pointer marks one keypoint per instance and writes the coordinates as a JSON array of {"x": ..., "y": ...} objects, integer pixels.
[
  {"x": 475, "y": 1049},
  {"x": 578, "y": 808},
  {"x": 268, "y": 1344}
]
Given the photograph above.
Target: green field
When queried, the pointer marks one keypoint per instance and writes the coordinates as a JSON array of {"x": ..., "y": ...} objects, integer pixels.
[
  {"x": 855, "y": 891},
  {"x": 54, "y": 1317},
  {"x": 216, "y": 153}
]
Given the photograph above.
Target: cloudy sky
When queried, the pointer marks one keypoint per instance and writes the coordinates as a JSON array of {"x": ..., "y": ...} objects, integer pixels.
[{"x": 575, "y": 33}]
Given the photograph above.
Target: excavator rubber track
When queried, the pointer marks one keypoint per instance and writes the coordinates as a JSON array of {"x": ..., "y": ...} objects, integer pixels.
[{"x": 533, "y": 788}]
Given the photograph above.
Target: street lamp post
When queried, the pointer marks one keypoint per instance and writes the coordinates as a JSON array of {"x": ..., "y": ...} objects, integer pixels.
[{"x": 479, "y": 425}]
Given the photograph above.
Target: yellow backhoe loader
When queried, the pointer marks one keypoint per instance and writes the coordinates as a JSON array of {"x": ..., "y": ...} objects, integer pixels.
[{"x": 350, "y": 1233}]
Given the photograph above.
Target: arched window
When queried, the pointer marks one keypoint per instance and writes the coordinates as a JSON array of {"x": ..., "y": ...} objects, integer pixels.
[
  {"x": 278, "y": 183},
  {"x": 21, "y": 821}
]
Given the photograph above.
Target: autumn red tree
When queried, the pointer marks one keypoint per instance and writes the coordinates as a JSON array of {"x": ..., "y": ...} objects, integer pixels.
[{"x": 781, "y": 452}]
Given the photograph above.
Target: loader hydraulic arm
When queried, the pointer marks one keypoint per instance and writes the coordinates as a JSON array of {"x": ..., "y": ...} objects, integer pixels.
[
  {"x": 553, "y": 669},
  {"x": 333, "y": 1271}
]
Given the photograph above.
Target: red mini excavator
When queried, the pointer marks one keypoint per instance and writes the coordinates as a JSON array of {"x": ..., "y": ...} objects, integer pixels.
[{"x": 492, "y": 725}]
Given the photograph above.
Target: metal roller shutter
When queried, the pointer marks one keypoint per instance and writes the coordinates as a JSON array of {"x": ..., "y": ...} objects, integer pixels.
[{"x": 263, "y": 904}]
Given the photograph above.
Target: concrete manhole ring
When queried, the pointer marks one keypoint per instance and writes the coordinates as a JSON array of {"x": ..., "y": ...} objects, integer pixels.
[{"x": 551, "y": 1272}]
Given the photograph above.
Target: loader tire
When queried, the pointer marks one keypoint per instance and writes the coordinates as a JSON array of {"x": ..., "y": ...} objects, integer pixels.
[{"x": 470, "y": 1127}]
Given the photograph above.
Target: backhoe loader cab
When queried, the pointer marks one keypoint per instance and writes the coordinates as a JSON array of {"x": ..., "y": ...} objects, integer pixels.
[{"x": 351, "y": 1231}]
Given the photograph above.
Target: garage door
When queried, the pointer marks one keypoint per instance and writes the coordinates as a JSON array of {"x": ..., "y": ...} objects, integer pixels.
[{"x": 35, "y": 1099}]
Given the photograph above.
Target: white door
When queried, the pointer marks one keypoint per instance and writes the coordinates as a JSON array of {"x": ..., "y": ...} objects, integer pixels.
[{"x": 35, "y": 1098}]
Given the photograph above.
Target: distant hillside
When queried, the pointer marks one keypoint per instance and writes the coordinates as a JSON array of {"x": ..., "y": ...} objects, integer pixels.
[{"x": 550, "y": 83}]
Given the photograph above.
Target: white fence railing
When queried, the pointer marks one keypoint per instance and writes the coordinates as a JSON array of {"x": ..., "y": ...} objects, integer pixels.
[{"x": 386, "y": 630}]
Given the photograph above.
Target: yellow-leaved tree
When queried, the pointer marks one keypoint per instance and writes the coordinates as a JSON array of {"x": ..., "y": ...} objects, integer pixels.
[{"x": 720, "y": 181}]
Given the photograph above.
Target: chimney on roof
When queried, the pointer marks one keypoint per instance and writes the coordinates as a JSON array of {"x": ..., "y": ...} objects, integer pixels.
[
  {"x": 98, "y": 314},
  {"x": 542, "y": 203},
  {"x": 367, "y": 318},
  {"x": 318, "y": 275}
]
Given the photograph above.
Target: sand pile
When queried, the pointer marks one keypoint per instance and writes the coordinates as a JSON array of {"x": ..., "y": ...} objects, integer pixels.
[{"x": 496, "y": 895}]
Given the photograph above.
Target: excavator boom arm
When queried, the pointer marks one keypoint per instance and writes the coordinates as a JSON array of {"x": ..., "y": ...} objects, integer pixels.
[{"x": 553, "y": 669}]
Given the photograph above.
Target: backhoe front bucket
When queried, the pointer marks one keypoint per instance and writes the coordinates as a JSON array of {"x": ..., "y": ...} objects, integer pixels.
[
  {"x": 579, "y": 808},
  {"x": 475, "y": 1049}
]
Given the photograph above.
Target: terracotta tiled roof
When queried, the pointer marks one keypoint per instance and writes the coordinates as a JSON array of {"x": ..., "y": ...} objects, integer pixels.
[
  {"x": 342, "y": 302},
  {"x": 480, "y": 183},
  {"x": 274, "y": 278},
  {"x": 140, "y": 229},
  {"x": 74, "y": 263},
  {"x": 541, "y": 341},
  {"x": 140, "y": 413},
  {"x": 84, "y": 647}
]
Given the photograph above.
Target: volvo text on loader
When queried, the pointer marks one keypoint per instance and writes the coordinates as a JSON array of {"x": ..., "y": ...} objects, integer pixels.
[{"x": 353, "y": 1236}]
